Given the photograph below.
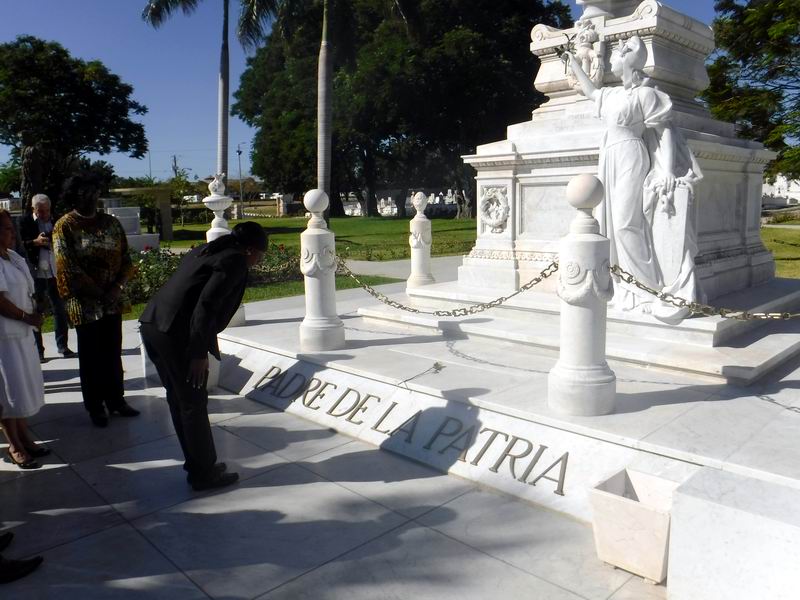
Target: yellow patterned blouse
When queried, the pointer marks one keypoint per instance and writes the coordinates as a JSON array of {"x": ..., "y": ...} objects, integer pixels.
[{"x": 91, "y": 257}]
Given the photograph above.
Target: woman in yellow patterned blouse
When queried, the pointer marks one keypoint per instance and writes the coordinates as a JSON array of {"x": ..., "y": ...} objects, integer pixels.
[{"x": 92, "y": 268}]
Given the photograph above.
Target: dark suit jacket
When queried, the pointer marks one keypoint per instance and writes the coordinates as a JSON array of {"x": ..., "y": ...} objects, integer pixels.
[
  {"x": 199, "y": 299},
  {"x": 29, "y": 231}
]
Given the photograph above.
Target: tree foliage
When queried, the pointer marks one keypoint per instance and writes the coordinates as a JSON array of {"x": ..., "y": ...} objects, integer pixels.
[
  {"x": 755, "y": 77},
  {"x": 55, "y": 108},
  {"x": 416, "y": 85}
]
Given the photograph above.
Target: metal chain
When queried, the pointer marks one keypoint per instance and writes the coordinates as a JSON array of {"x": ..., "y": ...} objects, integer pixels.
[
  {"x": 702, "y": 309},
  {"x": 549, "y": 270}
]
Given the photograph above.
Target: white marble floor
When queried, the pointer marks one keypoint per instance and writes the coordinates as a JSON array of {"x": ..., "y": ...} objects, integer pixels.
[{"x": 317, "y": 515}]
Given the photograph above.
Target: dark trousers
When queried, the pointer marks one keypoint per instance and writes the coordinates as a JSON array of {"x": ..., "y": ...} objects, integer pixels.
[
  {"x": 100, "y": 363},
  {"x": 187, "y": 405},
  {"x": 47, "y": 289}
]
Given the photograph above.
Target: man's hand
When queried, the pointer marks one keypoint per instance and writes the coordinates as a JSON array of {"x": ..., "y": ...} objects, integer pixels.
[
  {"x": 42, "y": 241},
  {"x": 198, "y": 372}
]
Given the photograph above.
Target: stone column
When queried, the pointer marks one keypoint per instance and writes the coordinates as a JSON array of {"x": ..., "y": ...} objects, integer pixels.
[
  {"x": 581, "y": 383},
  {"x": 321, "y": 328},
  {"x": 420, "y": 241}
]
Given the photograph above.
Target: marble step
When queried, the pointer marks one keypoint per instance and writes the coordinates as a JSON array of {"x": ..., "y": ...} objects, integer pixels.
[
  {"x": 778, "y": 295},
  {"x": 742, "y": 360}
]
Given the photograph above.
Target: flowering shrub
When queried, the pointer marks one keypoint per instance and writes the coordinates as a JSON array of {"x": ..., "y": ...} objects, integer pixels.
[
  {"x": 279, "y": 264},
  {"x": 153, "y": 267}
]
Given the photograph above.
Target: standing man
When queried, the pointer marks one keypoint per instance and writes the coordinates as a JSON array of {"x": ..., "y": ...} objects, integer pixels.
[
  {"x": 179, "y": 329},
  {"x": 36, "y": 231}
]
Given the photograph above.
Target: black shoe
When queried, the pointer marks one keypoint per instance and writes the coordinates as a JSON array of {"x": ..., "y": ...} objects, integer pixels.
[
  {"x": 27, "y": 465},
  {"x": 124, "y": 410},
  {"x": 69, "y": 354},
  {"x": 11, "y": 570},
  {"x": 217, "y": 480},
  {"x": 42, "y": 359},
  {"x": 5, "y": 540},
  {"x": 99, "y": 419},
  {"x": 216, "y": 470},
  {"x": 38, "y": 451}
]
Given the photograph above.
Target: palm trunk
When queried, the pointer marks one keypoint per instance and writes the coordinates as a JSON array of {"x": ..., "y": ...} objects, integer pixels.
[
  {"x": 222, "y": 122},
  {"x": 324, "y": 109}
]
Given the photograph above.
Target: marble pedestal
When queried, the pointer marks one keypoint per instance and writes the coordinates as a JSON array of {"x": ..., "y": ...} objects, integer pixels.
[{"x": 128, "y": 216}]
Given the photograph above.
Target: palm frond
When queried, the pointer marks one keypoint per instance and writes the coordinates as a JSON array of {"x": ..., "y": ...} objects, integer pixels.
[
  {"x": 253, "y": 20},
  {"x": 156, "y": 12}
]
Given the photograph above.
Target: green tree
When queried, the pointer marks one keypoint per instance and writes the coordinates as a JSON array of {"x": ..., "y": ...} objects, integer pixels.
[
  {"x": 407, "y": 106},
  {"x": 10, "y": 177},
  {"x": 253, "y": 16},
  {"x": 55, "y": 108},
  {"x": 755, "y": 75}
]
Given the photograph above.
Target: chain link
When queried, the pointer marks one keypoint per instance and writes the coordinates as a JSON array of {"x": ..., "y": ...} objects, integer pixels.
[
  {"x": 549, "y": 270},
  {"x": 702, "y": 309}
]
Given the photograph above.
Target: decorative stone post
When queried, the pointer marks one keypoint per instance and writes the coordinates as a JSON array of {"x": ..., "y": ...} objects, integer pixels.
[
  {"x": 420, "y": 241},
  {"x": 581, "y": 383},
  {"x": 321, "y": 328},
  {"x": 217, "y": 202}
]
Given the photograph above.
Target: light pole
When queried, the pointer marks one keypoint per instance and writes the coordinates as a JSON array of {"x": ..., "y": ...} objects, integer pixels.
[{"x": 241, "y": 194}]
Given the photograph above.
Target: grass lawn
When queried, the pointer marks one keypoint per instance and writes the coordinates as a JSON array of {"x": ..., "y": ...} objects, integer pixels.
[
  {"x": 268, "y": 291},
  {"x": 785, "y": 247},
  {"x": 363, "y": 238}
]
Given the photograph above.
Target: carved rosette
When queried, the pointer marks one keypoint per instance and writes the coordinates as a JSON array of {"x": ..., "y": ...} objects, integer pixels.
[
  {"x": 577, "y": 285},
  {"x": 494, "y": 208},
  {"x": 314, "y": 263}
]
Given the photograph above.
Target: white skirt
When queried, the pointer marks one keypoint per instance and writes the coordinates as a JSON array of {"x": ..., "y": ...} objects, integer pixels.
[{"x": 21, "y": 383}]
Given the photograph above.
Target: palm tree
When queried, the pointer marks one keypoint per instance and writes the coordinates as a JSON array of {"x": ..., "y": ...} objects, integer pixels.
[{"x": 253, "y": 16}]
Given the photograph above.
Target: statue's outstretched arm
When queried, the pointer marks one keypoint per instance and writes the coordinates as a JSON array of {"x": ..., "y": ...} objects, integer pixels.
[{"x": 589, "y": 89}]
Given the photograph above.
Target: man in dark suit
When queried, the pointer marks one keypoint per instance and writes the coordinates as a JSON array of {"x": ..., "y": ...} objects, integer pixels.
[
  {"x": 36, "y": 231},
  {"x": 179, "y": 329}
]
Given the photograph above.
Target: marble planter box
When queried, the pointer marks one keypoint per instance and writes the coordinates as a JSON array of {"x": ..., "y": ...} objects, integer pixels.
[{"x": 631, "y": 522}]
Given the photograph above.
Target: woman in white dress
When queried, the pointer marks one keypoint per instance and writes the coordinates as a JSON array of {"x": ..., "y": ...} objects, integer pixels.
[
  {"x": 21, "y": 384},
  {"x": 639, "y": 158}
]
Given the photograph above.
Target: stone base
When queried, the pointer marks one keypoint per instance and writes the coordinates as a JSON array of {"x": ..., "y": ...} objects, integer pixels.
[
  {"x": 143, "y": 241},
  {"x": 736, "y": 351},
  {"x": 581, "y": 392},
  {"x": 320, "y": 335}
]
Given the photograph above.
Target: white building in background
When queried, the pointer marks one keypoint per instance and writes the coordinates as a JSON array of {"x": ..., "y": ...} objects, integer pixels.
[{"x": 784, "y": 192}]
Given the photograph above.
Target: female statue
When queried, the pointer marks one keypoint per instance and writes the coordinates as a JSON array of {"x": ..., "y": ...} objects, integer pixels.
[{"x": 639, "y": 157}]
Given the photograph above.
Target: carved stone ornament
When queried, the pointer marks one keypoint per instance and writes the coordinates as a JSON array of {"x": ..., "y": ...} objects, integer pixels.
[
  {"x": 590, "y": 52},
  {"x": 494, "y": 209},
  {"x": 217, "y": 186},
  {"x": 420, "y": 239},
  {"x": 576, "y": 285},
  {"x": 313, "y": 263}
]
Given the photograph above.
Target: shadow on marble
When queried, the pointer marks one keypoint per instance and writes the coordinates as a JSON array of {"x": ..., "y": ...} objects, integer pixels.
[
  {"x": 536, "y": 540},
  {"x": 52, "y": 508},
  {"x": 288, "y": 436},
  {"x": 149, "y": 477},
  {"x": 75, "y": 439},
  {"x": 417, "y": 562},
  {"x": 251, "y": 538},
  {"x": 115, "y": 564},
  {"x": 390, "y": 480}
]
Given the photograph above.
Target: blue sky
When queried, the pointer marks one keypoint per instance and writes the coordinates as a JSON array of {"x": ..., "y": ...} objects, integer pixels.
[{"x": 173, "y": 70}]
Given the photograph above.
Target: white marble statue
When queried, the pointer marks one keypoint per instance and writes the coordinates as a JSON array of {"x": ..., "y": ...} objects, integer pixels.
[{"x": 648, "y": 172}]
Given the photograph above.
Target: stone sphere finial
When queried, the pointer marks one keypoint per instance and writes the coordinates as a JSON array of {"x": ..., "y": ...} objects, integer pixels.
[
  {"x": 420, "y": 201},
  {"x": 316, "y": 201},
  {"x": 584, "y": 191}
]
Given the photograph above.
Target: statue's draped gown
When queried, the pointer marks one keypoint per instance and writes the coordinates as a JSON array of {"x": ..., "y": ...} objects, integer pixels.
[{"x": 626, "y": 158}]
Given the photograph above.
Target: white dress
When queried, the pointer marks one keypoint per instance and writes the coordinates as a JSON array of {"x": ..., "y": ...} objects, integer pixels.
[{"x": 21, "y": 384}]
